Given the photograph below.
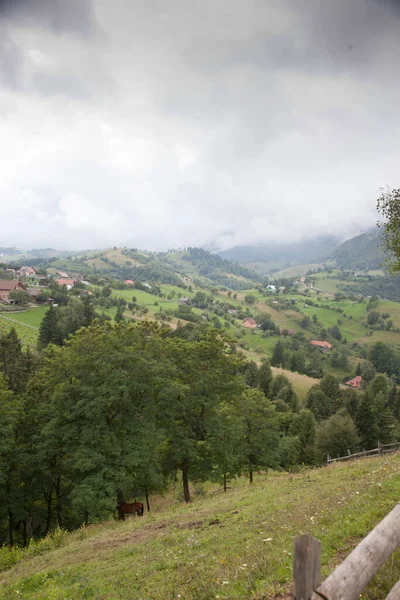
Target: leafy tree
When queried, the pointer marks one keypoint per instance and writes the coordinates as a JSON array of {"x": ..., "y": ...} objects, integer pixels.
[
  {"x": 250, "y": 372},
  {"x": 289, "y": 452},
  {"x": 303, "y": 427},
  {"x": 119, "y": 315},
  {"x": 20, "y": 297},
  {"x": 385, "y": 359},
  {"x": 319, "y": 403},
  {"x": 336, "y": 436},
  {"x": 335, "y": 332},
  {"x": 388, "y": 206},
  {"x": 249, "y": 299},
  {"x": 204, "y": 377},
  {"x": 278, "y": 354},
  {"x": 265, "y": 376},
  {"x": 330, "y": 386},
  {"x": 315, "y": 365},
  {"x": 260, "y": 436}
]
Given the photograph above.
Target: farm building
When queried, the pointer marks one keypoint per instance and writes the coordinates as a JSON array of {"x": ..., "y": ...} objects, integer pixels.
[
  {"x": 129, "y": 282},
  {"x": 68, "y": 282},
  {"x": 355, "y": 383},
  {"x": 324, "y": 346},
  {"x": 249, "y": 323},
  {"x": 7, "y": 286}
]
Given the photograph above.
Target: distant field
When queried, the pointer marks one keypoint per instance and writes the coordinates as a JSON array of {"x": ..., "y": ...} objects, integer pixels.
[
  {"x": 296, "y": 271},
  {"x": 32, "y": 316},
  {"x": 351, "y": 329},
  {"x": 27, "y": 335},
  {"x": 99, "y": 264}
]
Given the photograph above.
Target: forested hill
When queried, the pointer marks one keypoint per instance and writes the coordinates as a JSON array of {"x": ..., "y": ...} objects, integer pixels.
[
  {"x": 201, "y": 263},
  {"x": 360, "y": 253},
  {"x": 173, "y": 267},
  {"x": 273, "y": 256}
]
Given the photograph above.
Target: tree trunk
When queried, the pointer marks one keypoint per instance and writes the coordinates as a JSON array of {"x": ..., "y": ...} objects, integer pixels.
[
  {"x": 147, "y": 501},
  {"x": 224, "y": 482},
  {"x": 86, "y": 517},
  {"x": 10, "y": 529},
  {"x": 58, "y": 502},
  {"x": 185, "y": 479},
  {"x": 49, "y": 500},
  {"x": 251, "y": 475},
  {"x": 24, "y": 533}
]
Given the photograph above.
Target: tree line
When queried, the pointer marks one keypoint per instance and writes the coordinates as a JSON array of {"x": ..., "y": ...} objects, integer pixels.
[{"x": 120, "y": 410}]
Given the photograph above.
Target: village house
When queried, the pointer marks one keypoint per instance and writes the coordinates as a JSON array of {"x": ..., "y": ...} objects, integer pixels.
[
  {"x": 324, "y": 346},
  {"x": 249, "y": 323},
  {"x": 129, "y": 282},
  {"x": 183, "y": 300},
  {"x": 24, "y": 271},
  {"x": 7, "y": 286},
  {"x": 232, "y": 311},
  {"x": 67, "y": 282},
  {"x": 271, "y": 288},
  {"x": 355, "y": 383}
]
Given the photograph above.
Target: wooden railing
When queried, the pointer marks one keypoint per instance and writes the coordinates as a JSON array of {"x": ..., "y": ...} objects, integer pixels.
[
  {"x": 354, "y": 573},
  {"x": 381, "y": 449}
]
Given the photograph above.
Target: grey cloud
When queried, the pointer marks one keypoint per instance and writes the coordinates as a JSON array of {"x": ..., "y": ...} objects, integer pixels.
[
  {"x": 196, "y": 122},
  {"x": 11, "y": 61},
  {"x": 61, "y": 16}
]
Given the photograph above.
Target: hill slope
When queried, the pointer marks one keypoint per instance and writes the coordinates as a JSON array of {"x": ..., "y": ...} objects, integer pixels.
[
  {"x": 265, "y": 258},
  {"x": 361, "y": 253},
  {"x": 233, "y": 545}
]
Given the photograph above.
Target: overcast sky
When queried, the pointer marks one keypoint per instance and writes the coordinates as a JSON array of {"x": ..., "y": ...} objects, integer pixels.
[{"x": 167, "y": 123}]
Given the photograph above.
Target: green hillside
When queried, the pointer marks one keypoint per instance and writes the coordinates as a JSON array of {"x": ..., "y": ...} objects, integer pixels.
[
  {"x": 228, "y": 546},
  {"x": 361, "y": 253}
]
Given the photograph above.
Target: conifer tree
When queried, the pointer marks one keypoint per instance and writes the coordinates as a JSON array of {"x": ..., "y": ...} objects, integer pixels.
[{"x": 49, "y": 331}]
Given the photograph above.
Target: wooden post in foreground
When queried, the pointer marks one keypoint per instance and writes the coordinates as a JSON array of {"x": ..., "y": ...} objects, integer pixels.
[
  {"x": 306, "y": 566},
  {"x": 354, "y": 573}
]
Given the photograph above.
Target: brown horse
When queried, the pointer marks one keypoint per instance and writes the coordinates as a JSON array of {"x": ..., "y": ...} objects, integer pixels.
[{"x": 127, "y": 508}]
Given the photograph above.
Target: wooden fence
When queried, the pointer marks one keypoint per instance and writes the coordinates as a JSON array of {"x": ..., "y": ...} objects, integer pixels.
[
  {"x": 354, "y": 573},
  {"x": 381, "y": 449}
]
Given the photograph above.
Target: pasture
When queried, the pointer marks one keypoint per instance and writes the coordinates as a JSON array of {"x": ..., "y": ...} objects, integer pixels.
[
  {"x": 229, "y": 546},
  {"x": 27, "y": 335}
]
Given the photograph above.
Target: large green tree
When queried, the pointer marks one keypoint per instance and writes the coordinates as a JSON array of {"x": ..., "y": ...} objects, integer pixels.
[{"x": 388, "y": 206}]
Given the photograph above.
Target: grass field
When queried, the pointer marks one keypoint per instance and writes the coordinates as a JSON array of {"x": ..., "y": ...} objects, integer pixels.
[
  {"x": 229, "y": 546},
  {"x": 296, "y": 271},
  {"x": 32, "y": 316},
  {"x": 27, "y": 335},
  {"x": 350, "y": 328}
]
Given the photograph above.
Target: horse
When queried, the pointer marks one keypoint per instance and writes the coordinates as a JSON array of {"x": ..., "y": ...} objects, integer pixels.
[{"x": 127, "y": 508}]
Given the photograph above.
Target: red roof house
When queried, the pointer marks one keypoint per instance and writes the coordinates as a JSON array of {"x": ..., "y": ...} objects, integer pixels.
[
  {"x": 7, "y": 286},
  {"x": 68, "y": 282},
  {"x": 249, "y": 323},
  {"x": 325, "y": 346},
  {"x": 356, "y": 382},
  {"x": 129, "y": 282}
]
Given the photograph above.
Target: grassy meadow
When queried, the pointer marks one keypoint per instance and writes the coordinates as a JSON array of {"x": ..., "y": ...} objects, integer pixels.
[{"x": 228, "y": 546}]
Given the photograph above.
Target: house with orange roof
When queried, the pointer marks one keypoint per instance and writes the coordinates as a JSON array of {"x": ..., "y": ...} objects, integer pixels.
[
  {"x": 249, "y": 323},
  {"x": 324, "y": 346},
  {"x": 355, "y": 383}
]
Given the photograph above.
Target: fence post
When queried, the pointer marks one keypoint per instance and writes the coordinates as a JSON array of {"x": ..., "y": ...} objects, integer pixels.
[
  {"x": 306, "y": 566},
  {"x": 380, "y": 449}
]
